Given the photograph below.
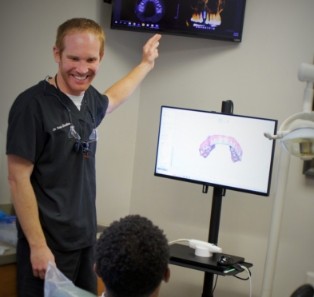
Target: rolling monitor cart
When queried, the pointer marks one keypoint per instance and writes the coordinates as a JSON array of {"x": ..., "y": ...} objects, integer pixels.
[
  {"x": 230, "y": 147},
  {"x": 184, "y": 256}
]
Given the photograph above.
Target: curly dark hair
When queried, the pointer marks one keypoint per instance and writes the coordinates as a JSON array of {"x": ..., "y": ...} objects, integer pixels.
[{"x": 132, "y": 257}]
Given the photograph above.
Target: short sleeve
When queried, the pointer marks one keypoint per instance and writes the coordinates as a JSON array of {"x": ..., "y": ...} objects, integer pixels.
[{"x": 24, "y": 134}]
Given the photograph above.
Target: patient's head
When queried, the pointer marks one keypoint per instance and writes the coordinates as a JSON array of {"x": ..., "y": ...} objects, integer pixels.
[{"x": 132, "y": 257}]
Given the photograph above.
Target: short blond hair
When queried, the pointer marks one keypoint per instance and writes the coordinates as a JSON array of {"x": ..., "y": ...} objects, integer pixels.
[{"x": 80, "y": 25}]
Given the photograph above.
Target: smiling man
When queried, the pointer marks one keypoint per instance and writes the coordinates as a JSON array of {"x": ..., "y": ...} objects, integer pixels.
[{"x": 51, "y": 146}]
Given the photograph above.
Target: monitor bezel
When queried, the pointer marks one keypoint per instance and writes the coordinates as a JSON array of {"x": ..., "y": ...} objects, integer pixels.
[
  {"x": 213, "y": 35},
  {"x": 212, "y": 184}
]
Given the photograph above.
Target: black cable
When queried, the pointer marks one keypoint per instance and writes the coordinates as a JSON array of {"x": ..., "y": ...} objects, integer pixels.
[{"x": 215, "y": 284}]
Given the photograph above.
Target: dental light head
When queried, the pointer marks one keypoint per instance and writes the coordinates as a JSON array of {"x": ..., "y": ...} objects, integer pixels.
[{"x": 297, "y": 132}]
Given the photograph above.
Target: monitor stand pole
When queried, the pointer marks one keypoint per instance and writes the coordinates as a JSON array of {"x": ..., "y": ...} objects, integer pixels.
[
  {"x": 218, "y": 193},
  {"x": 213, "y": 236}
]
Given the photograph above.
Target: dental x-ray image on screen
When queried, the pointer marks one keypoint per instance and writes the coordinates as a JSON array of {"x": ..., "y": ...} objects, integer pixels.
[
  {"x": 215, "y": 149},
  {"x": 212, "y": 19}
]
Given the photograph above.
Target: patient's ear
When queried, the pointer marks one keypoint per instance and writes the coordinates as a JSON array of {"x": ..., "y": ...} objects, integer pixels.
[{"x": 167, "y": 275}]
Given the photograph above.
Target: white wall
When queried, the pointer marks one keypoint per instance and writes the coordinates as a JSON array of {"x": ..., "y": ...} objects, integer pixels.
[{"x": 259, "y": 75}]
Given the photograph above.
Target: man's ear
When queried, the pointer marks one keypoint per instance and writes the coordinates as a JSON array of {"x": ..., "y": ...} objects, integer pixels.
[
  {"x": 167, "y": 275},
  {"x": 56, "y": 54},
  {"x": 101, "y": 56}
]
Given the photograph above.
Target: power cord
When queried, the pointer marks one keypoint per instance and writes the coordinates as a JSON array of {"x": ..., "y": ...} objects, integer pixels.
[
  {"x": 248, "y": 278},
  {"x": 178, "y": 240},
  {"x": 215, "y": 284}
]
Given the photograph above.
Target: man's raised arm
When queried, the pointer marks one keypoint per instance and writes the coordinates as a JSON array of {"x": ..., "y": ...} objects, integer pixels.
[{"x": 122, "y": 89}]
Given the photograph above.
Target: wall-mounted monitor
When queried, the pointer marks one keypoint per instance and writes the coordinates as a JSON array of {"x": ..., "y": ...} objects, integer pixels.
[
  {"x": 213, "y": 19},
  {"x": 215, "y": 149}
]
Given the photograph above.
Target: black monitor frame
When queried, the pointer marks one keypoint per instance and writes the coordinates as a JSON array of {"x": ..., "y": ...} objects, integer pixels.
[
  {"x": 244, "y": 166},
  {"x": 220, "y": 20}
]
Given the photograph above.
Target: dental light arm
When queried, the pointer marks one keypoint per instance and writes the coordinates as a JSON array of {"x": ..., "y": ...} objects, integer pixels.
[
  {"x": 306, "y": 73},
  {"x": 297, "y": 131},
  {"x": 297, "y": 136}
]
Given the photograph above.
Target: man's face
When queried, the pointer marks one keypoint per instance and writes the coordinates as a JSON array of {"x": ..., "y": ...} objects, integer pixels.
[{"x": 78, "y": 63}]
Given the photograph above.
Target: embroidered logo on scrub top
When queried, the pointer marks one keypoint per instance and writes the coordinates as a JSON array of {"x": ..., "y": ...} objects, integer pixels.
[{"x": 61, "y": 127}]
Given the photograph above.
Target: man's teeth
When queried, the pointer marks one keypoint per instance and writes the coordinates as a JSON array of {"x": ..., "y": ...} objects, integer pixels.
[{"x": 80, "y": 77}]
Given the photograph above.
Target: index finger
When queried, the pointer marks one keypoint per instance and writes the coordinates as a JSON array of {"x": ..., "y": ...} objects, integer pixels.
[{"x": 154, "y": 39}]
